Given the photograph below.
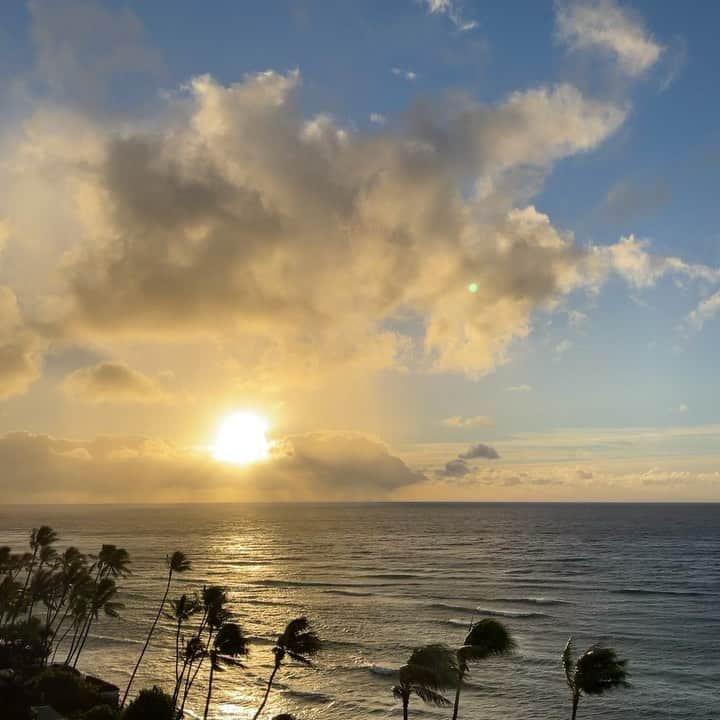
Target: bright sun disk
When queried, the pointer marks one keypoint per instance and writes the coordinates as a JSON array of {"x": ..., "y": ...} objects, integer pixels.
[{"x": 240, "y": 439}]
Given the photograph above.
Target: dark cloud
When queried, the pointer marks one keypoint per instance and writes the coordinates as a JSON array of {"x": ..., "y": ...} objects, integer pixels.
[
  {"x": 479, "y": 451},
  {"x": 455, "y": 468}
]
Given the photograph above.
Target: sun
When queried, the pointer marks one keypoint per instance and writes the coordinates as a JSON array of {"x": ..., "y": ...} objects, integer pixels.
[{"x": 240, "y": 439}]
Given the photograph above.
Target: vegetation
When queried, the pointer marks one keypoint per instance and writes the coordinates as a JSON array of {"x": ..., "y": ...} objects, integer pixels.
[
  {"x": 431, "y": 668},
  {"x": 597, "y": 671},
  {"x": 485, "y": 639},
  {"x": 50, "y": 600},
  {"x": 297, "y": 642},
  {"x": 177, "y": 563}
]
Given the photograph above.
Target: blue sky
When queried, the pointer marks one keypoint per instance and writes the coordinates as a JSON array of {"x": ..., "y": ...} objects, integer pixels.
[{"x": 583, "y": 204}]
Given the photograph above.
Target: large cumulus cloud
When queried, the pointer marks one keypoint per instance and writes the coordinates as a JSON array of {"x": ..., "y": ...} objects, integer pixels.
[{"x": 242, "y": 216}]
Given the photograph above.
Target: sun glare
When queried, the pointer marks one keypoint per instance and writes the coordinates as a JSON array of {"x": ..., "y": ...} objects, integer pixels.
[{"x": 240, "y": 439}]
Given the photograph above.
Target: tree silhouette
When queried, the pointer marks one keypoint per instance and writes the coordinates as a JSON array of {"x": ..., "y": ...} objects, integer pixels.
[
  {"x": 229, "y": 643},
  {"x": 431, "y": 668},
  {"x": 183, "y": 608},
  {"x": 177, "y": 563},
  {"x": 486, "y": 638},
  {"x": 597, "y": 671},
  {"x": 297, "y": 642}
]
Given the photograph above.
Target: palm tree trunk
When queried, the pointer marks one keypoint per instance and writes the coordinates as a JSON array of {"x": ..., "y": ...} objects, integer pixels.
[
  {"x": 189, "y": 682},
  {"x": 406, "y": 701},
  {"x": 177, "y": 651},
  {"x": 210, "y": 682},
  {"x": 147, "y": 639},
  {"x": 576, "y": 700},
  {"x": 267, "y": 692},
  {"x": 457, "y": 697},
  {"x": 86, "y": 632}
]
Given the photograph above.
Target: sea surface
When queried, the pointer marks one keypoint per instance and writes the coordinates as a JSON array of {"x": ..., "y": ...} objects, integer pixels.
[{"x": 378, "y": 579}]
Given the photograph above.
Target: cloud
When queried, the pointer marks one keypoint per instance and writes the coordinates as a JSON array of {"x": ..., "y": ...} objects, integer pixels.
[
  {"x": 193, "y": 230},
  {"x": 602, "y": 25},
  {"x": 562, "y": 347},
  {"x": 113, "y": 382},
  {"x": 452, "y": 10},
  {"x": 21, "y": 351},
  {"x": 479, "y": 451},
  {"x": 629, "y": 258},
  {"x": 628, "y": 200},
  {"x": 706, "y": 310},
  {"x": 455, "y": 468},
  {"x": 519, "y": 388},
  {"x": 458, "y": 421},
  {"x": 407, "y": 74},
  {"x": 297, "y": 245},
  {"x": 322, "y": 465},
  {"x": 683, "y": 408}
]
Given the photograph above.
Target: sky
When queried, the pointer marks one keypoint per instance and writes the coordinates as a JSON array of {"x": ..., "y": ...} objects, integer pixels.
[{"x": 449, "y": 251}]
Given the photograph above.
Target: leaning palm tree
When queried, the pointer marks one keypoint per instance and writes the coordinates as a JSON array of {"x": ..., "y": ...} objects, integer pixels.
[
  {"x": 177, "y": 563},
  {"x": 101, "y": 598},
  {"x": 40, "y": 538},
  {"x": 487, "y": 638},
  {"x": 230, "y": 642},
  {"x": 297, "y": 642},
  {"x": 183, "y": 608},
  {"x": 431, "y": 668},
  {"x": 595, "y": 672}
]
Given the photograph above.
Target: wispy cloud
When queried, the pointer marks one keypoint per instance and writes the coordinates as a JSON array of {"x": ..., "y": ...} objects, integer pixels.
[
  {"x": 706, "y": 310},
  {"x": 113, "y": 382},
  {"x": 407, "y": 74},
  {"x": 604, "y": 26},
  {"x": 458, "y": 421},
  {"x": 453, "y": 11},
  {"x": 519, "y": 388}
]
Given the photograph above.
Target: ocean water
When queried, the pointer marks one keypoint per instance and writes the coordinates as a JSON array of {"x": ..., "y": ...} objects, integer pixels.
[{"x": 378, "y": 579}]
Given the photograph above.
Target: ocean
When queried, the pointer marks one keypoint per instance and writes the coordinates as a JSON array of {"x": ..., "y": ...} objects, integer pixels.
[{"x": 377, "y": 580}]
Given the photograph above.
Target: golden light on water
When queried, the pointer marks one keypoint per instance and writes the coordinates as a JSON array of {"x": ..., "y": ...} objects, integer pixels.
[{"x": 241, "y": 439}]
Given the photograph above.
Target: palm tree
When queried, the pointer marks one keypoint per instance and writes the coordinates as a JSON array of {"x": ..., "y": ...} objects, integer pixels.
[
  {"x": 112, "y": 560},
  {"x": 42, "y": 537},
  {"x": 299, "y": 643},
  {"x": 183, "y": 608},
  {"x": 177, "y": 563},
  {"x": 487, "y": 638},
  {"x": 430, "y": 668},
  {"x": 101, "y": 598},
  {"x": 230, "y": 642},
  {"x": 214, "y": 598},
  {"x": 596, "y": 671}
]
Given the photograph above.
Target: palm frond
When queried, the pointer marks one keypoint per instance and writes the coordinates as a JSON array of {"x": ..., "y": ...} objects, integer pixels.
[
  {"x": 430, "y": 696},
  {"x": 178, "y": 562},
  {"x": 568, "y": 660},
  {"x": 599, "y": 670}
]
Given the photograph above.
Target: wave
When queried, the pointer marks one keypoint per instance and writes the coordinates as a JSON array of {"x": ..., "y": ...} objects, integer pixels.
[
  {"x": 393, "y": 576},
  {"x": 109, "y": 638},
  {"x": 647, "y": 591},
  {"x": 351, "y": 593},
  {"x": 376, "y": 669},
  {"x": 447, "y": 606},
  {"x": 509, "y": 613},
  {"x": 530, "y": 600},
  {"x": 314, "y": 697}
]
